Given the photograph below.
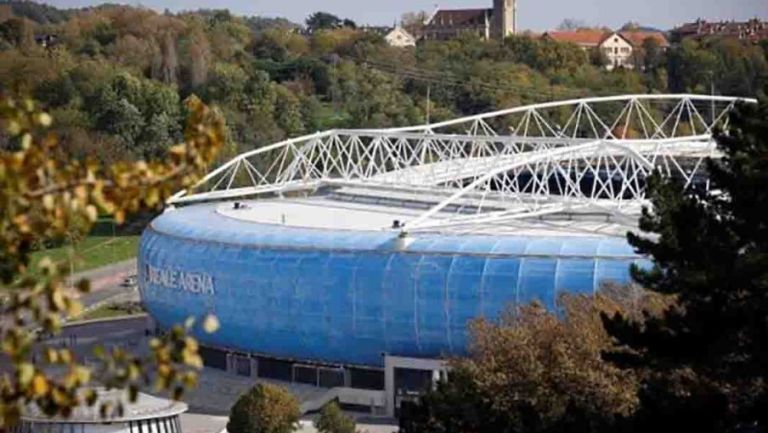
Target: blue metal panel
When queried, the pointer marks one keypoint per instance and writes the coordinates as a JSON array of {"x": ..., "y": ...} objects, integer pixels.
[
  {"x": 347, "y": 297},
  {"x": 499, "y": 285},
  {"x": 537, "y": 282}
]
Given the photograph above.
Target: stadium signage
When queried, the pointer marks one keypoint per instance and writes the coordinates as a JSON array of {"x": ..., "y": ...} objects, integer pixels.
[{"x": 177, "y": 279}]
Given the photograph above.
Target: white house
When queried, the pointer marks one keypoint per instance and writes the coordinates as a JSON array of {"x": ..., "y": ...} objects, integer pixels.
[
  {"x": 618, "y": 47},
  {"x": 618, "y": 52},
  {"x": 399, "y": 37}
]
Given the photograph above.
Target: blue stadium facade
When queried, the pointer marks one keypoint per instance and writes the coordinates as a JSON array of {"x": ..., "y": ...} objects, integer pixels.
[{"x": 346, "y": 297}]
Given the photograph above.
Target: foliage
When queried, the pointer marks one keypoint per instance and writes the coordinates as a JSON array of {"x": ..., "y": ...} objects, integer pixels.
[
  {"x": 333, "y": 420},
  {"x": 456, "y": 405},
  {"x": 333, "y": 75},
  {"x": 536, "y": 372},
  {"x": 705, "y": 358},
  {"x": 44, "y": 194},
  {"x": 325, "y": 21},
  {"x": 264, "y": 409},
  {"x": 731, "y": 67},
  {"x": 37, "y": 12}
]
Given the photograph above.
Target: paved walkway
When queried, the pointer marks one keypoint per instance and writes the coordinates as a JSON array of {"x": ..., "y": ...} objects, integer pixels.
[
  {"x": 106, "y": 282},
  {"x": 197, "y": 423}
]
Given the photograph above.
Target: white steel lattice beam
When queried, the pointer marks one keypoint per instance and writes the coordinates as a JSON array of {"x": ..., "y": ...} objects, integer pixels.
[{"x": 592, "y": 153}]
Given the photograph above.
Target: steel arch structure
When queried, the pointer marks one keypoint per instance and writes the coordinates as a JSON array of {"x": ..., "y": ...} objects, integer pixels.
[{"x": 586, "y": 155}]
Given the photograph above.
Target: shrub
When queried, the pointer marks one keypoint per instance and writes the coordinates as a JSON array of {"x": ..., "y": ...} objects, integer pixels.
[
  {"x": 264, "y": 409},
  {"x": 333, "y": 420}
]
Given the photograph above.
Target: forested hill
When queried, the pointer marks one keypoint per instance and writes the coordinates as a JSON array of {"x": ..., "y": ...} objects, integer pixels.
[{"x": 114, "y": 77}]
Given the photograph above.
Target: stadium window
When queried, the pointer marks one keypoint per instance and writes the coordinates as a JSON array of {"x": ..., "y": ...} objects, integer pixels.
[
  {"x": 366, "y": 379},
  {"x": 275, "y": 369},
  {"x": 330, "y": 377}
]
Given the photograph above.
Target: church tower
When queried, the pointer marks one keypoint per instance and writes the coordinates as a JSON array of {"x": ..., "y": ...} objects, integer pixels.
[{"x": 504, "y": 18}]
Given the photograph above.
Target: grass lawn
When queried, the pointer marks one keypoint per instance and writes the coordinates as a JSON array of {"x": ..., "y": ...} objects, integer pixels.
[
  {"x": 112, "y": 310},
  {"x": 93, "y": 252},
  {"x": 105, "y": 245}
]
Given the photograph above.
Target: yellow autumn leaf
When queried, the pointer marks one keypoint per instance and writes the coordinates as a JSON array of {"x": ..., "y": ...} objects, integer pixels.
[
  {"x": 92, "y": 213},
  {"x": 39, "y": 385},
  {"x": 74, "y": 308},
  {"x": 211, "y": 324},
  {"x": 44, "y": 119},
  {"x": 48, "y": 202},
  {"x": 26, "y": 373},
  {"x": 57, "y": 301}
]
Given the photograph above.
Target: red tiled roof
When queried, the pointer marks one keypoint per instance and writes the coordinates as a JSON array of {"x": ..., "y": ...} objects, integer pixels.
[
  {"x": 637, "y": 38},
  {"x": 753, "y": 30},
  {"x": 458, "y": 16},
  {"x": 580, "y": 37}
]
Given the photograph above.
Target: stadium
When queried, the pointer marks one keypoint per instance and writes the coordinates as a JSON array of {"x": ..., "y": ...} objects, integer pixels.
[{"x": 355, "y": 259}]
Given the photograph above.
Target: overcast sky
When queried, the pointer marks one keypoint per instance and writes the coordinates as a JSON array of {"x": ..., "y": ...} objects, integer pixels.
[{"x": 533, "y": 14}]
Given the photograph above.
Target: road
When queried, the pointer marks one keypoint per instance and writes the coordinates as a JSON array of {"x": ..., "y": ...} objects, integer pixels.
[{"x": 106, "y": 282}]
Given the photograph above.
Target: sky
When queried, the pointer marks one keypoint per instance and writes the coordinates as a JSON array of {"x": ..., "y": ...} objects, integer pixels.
[{"x": 536, "y": 15}]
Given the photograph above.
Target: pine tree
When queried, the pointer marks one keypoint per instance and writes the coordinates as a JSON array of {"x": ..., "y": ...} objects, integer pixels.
[{"x": 706, "y": 357}]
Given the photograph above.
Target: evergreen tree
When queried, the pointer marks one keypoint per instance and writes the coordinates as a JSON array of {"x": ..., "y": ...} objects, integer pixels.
[{"x": 706, "y": 357}]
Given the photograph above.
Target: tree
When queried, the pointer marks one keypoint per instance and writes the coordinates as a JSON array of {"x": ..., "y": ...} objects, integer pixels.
[
  {"x": 333, "y": 420},
  {"x": 630, "y": 26},
  {"x": 264, "y": 409},
  {"x": 414, "y": 21},
  {"x": 653, "y": 55},
  {"x": 47, "y": 195},
  {"x": 199, "y": 54},
  {"x": 144, "y": 114},
  {"x": 167, "y": 62},
  {"x": 456, "y": 405},
  {"x": 323, "y": 21},
  {"x": 570, "y": 24},
  {"x": 17, "y": 32},
  {"x": 705, "y": 359},
  {"x": 536, "y": 372}
]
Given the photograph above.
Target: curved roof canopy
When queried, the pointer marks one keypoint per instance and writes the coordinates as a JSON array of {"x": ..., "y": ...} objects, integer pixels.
[{"x": 578, "y": 157}]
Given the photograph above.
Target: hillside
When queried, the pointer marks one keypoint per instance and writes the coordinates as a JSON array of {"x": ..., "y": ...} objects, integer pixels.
[{"x": 114, "y": 77}]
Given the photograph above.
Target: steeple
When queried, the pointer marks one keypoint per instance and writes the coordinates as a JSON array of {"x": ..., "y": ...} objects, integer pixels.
[{"x": 504, "y": 18}]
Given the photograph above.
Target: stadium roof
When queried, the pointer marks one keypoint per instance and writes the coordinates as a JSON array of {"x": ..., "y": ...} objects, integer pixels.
[{"x": 568, "y": 167}]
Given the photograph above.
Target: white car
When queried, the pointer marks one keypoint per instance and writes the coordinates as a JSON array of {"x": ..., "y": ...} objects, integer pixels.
[{"x": 131, "y": 281}]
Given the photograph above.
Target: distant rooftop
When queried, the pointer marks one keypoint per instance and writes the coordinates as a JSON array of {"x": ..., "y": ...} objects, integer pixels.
[
  {"x": 593, "y": 38},
  {"x": 579, "y": 37},
  {"x": 457, "y": 17}
]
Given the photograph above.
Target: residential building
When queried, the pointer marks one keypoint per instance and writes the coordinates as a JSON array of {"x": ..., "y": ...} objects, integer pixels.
[
  {"x": 399, "y": 37},
  {"x": 753, "y": 30},
  {"x": 497, "y": 22},
  {"x": 586, "y": 39},
  {"x": 619, "y": 48},
  {"x": 637, "y": 38},
  {"x": 617, "y": 51}
]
